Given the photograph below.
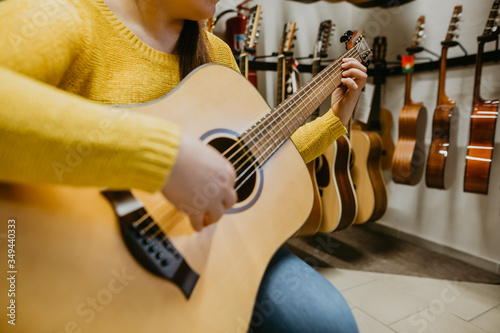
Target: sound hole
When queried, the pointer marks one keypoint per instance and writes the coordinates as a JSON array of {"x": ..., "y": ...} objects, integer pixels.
[{"x": 244, "y": 164}]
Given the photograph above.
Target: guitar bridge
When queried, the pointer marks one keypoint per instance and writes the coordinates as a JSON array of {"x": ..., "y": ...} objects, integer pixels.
[{"x": 148, "y": 244}]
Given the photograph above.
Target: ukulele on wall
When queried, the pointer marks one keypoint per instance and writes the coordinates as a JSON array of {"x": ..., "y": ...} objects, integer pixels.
[
  {"x": 409, "y": 156},
  {"x": 483, "y": 119},
  {"x": 442, "y": 122},
  {"x": 250, "y": 38},
  {"x": 283, "y": 90}
]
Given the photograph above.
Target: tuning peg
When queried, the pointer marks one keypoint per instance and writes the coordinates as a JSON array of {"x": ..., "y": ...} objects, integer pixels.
[{"x": 346, "y": 37}]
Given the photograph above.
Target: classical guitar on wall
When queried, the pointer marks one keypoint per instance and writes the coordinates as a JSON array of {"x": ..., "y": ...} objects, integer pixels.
[
  {"x": 283, "y": 71},
  {"x": 129, "y": 261},
  {"x": 252, "y": 32},
  {"x": 409, "y": 157},
  {"x": 483, "y": 119},
  {"x": 443, "y": 124}
]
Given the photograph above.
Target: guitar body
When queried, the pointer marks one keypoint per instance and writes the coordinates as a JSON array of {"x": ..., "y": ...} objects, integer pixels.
[
  {"x": 386, "y": 137},
  {"x": 367, "y": 176},
  {"x": 440, "y": 145},
  {"x": 75, "y": 272},
  {"x": 409, "y": 156},
  {"x": 338, "y": 197},
  {"x": 480, "y": 148}
]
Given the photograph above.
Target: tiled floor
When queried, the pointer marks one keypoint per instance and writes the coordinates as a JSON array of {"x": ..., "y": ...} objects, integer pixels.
[{"x": 388, "y": 303}]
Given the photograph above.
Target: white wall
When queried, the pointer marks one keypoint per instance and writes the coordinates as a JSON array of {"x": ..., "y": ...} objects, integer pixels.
[{"x": 468, "y": 223}]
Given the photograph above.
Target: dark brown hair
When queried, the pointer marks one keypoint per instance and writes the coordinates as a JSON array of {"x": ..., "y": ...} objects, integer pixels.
[{"x": 191, "y": 48}]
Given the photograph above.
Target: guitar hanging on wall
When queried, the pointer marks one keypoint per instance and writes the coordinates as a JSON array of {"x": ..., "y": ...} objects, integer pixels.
[
  {"x": 483, "y": 119},
  {"x": 443, "y": 122},
  {"x": 409, "y": 157},
  {"x": 137, "y": 265}
]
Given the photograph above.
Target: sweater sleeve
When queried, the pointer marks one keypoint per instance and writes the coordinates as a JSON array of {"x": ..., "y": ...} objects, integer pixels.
[
  {"x": 315, "y": 137},
  {"x": 50, "y": 136}
]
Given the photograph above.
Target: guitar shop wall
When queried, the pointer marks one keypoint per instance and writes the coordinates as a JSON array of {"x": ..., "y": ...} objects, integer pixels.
[{"x": 461, "y": 224}]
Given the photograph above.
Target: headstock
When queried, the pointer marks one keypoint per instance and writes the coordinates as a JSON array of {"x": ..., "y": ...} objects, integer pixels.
[
  {"x": 419, "y": 32},
  {"x": 492, "y": 23},
  {"x": 453, "y": 27},
  {"x": 252, "y": 29},
  {"x": 323, "y": 39}
]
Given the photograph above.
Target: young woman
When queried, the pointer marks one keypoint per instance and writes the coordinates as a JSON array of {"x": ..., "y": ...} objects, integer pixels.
[{"x": 64, "y": 62}]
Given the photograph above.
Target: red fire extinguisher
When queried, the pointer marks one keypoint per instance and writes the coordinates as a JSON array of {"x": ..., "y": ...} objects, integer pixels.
[{"x": 235, "y": 34}]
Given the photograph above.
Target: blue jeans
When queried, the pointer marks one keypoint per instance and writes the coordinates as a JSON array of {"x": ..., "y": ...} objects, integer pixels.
[{"x": 293, "y": 297}]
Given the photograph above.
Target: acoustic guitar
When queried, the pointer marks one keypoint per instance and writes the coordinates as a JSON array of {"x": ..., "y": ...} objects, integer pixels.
[
  {"x": 409, "y": 157},
  {"x": 443, "y": 120},
  {"x": 284, "y": 87},
  {"x": 250, "y": 39},
  {"x": 128, "y": 261},
  {"x": 332, "y": 168},
  {"x": 483, "y": 119}
]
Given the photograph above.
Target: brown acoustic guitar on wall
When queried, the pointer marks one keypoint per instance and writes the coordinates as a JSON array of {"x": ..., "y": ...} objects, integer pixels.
[
  {"x": 409, "y": 157},
  {"x": 129, "y": 261},
  {"x": 483, "y": 119},
  {"x": 443, "y": 124}
]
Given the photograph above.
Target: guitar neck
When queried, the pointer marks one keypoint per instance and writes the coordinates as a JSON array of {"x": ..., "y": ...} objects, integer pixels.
[
  {"x": 275, "y": 128},
  {"x": 408, "y": 100},
  {"x": 442, "y": 98},
  {"x": 280, "y": 84}
]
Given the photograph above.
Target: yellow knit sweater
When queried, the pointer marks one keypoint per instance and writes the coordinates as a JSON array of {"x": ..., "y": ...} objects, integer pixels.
[{"x": 63, "y": 62}]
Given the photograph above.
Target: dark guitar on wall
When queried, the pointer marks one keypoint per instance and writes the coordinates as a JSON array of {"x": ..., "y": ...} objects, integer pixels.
[
  {"x": 483, "y": 119},
  {"x": 409, "y": 157},
  {"x": 444, "y": 115},
  {"x": 380, "y": 119}
]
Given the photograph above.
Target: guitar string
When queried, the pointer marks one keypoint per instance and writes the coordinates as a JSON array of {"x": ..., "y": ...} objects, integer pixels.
[
  {"x": 265, "y": 118},
  {"x": 251, "y": 166},
  {"x": 277, "y": 114}
]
